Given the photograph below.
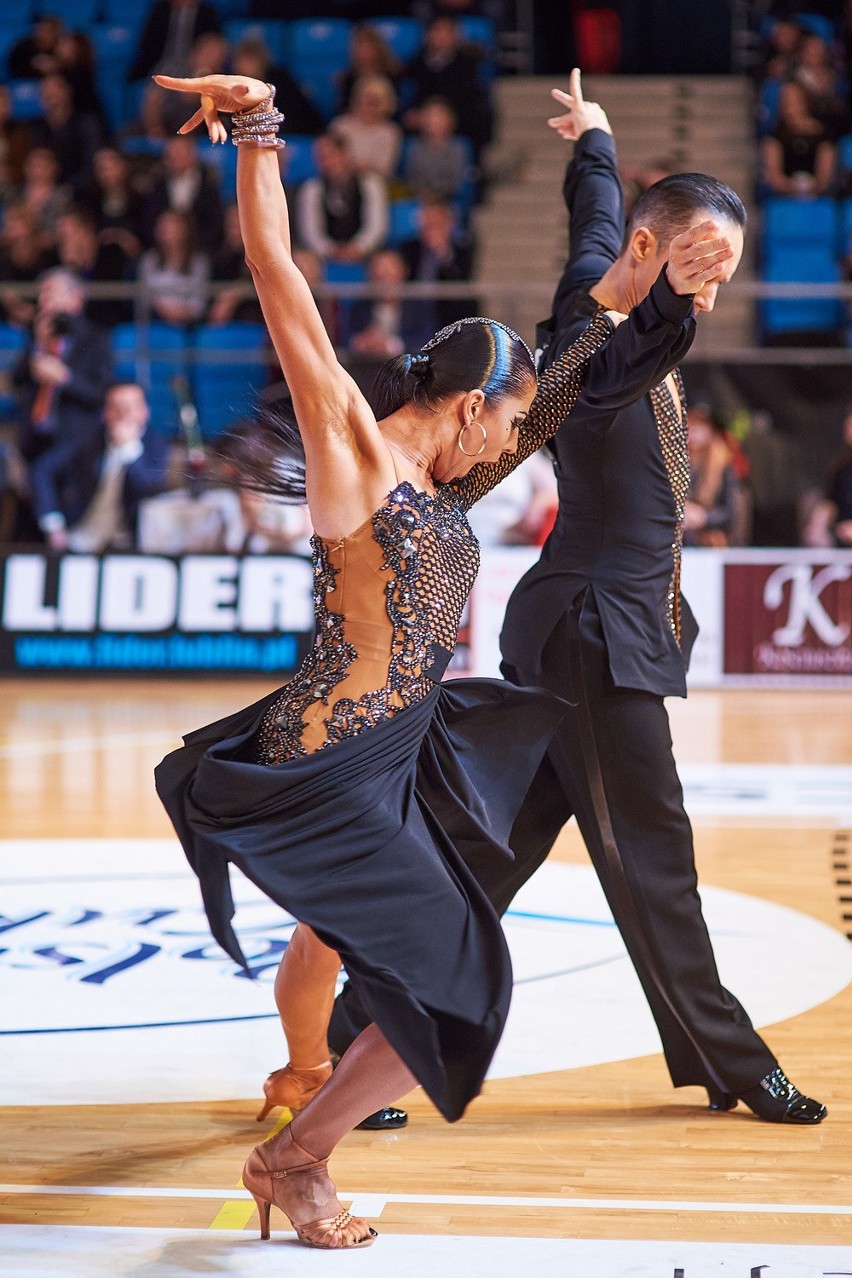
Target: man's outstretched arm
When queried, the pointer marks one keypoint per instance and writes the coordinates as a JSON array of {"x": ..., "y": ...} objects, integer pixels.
[{"x": 592, "y": 193}]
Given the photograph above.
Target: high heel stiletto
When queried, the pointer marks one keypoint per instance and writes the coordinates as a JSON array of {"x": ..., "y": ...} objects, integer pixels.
[
  {"x": 774, "y": 1099},
  {"x": 269, "y": 1185},
  {"x": 293, "y": 1087}
]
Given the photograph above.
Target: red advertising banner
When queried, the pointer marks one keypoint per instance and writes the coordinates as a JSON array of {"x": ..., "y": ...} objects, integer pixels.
[{"x": 789, "y": 615}]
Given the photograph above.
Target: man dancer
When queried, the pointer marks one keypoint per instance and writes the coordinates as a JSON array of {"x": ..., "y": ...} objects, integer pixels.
[{"x": 601, "y": 622}]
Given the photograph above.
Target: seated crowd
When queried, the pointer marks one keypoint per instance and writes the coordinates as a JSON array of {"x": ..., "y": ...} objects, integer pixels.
[
  {"x": 127, "y": 223},
  {"x": 804, "y": 93}
]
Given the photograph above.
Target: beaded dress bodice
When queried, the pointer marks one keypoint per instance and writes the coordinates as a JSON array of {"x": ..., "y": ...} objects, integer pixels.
[{"x": 389, "y": 596}]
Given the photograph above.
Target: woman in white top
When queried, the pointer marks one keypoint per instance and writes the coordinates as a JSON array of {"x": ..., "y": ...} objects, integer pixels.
[
  {"x": 374, "y": 140},
  {"x": 173, "y": 274}
]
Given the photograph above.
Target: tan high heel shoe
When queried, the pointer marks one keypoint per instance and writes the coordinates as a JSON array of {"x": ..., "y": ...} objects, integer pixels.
[
  {"x": 267, "y": 1186},
  {"x": 293, "y": 1087}
]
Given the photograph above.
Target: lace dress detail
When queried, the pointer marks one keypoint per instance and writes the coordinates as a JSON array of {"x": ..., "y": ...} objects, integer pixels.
[
  {"x": 671, "y": 426},
  {"x": 406, "y": 575}
]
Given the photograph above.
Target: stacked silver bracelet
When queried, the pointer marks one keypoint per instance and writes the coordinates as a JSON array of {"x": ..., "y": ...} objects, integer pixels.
[{"x": 259, "y": 124}]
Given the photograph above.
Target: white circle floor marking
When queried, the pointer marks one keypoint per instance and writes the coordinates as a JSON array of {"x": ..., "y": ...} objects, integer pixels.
[{"x": 106, "y": 965}]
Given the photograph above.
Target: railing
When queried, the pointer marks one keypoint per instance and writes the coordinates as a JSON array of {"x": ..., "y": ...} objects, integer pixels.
[{"x": 505, "y": 301}]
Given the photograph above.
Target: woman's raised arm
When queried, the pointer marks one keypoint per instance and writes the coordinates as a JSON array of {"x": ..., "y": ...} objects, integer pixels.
[{"x": 336, "y": 423}]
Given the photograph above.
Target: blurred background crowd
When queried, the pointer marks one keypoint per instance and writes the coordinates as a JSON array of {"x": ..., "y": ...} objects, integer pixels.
[{"x": 132, "y": 352}]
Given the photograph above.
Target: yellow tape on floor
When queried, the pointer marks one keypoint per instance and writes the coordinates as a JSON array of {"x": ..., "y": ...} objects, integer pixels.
[{"x": 237, "y": 1213}]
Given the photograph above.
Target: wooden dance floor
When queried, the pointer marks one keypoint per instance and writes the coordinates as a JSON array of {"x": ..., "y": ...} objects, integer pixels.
[{"x": 133, "y": 1053}]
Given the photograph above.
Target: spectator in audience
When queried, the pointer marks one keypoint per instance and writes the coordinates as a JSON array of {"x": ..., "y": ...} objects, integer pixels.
[
  {"x": 185, "y": 185},
  {"x": 173, "y": 274},
  {"x": 342, "y": 215},
  {"x": 373, "y": 140},
  {"x": 782, "y": 53},
  {"x": 388, "y": 324},
  {"x": 229, "y": 263},
  {"x": 36, "y": 54},
  {"x": 128, "y": 466},
  {"x": 75, "y": 58},
  {"x": 73, "y": 136},
  {"x": 41, "y": 191},
  {"x": 61, "y": 379},
  {"x": 95, "y": 258},
  {"x": 437, "y": 160},
  {"x": 24, "y": 257},
  {"x": 816, "y": 72},
  {"x": 113, "y": 200},
  {"x": 840, "y": 489},
  {"x": 14, "y": 143},
  {"x": 636, "y": 179},
  {"x": 798, "y": 158},
  {"x": 448, "y": 68},
  {"x": 442, "y": 253},
  {"x": 710, "y": 512},
  {"x": 369, "y": 55},
  {"x": 251, "y": 58},
  {"x": 171, "y": 29}
]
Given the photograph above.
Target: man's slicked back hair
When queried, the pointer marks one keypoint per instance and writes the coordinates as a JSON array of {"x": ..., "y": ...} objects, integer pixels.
[{"x": 672, "y": 205}]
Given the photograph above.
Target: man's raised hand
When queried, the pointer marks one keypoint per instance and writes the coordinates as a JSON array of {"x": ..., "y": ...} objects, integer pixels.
[
  {"x": 695, "y": 256},
  {"x": 580, "y": 115}
]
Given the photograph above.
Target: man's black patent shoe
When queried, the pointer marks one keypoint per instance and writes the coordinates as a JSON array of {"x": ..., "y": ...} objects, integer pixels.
[
  {"x": 774, "y": 1099},
  {"x": 384, "y": 1120}
]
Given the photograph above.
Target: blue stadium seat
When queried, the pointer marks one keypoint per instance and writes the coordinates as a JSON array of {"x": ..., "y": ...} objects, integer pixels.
[
  {"x": 404, "y": 221},
  {"x": 844, "y": 154},
  {"x": 807, "y": 314},
  {"x": 481, "y": 31},
  {"x": 344, "y": 273},
  {"x": 299, "y": 161},
  {"x": 768, "y": 100},
  {"x": 12, "y": 342},
  {"x": 26, "y": 99},
  {"x": 273, "y": 32},
  {"x": 153, "y": 355},
  {"x": 802, "y": 223},
  {"x": 229, "y": 389},
  {"x": 115, "y": 47},
  {"x": 321, "y": 82},
  {"x": 404, "y": 36},
  {"x": 845, "y": 238},
  {"x": 142, "y": 145},
  {"x": 74, "y": 13},
  {"x": 817, "y": 24},
  {"x": 232, "y": 8},
  {"x": 8, "y": 38},
  {"x": 319, "y": 40},
  {"x": 221, "y": 160},
  {"x": 125, "y": 13}
]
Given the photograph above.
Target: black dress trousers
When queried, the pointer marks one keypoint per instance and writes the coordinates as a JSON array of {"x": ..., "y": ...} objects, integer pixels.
[{"x": 611, "y": 765}]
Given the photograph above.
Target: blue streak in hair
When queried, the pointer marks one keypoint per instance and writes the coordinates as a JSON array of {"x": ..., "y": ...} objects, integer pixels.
[{"x": 502, "y": 362}]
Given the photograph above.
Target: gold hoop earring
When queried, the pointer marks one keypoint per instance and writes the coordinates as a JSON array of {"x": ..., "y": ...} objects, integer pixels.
[{"x": 481, "y": 448}]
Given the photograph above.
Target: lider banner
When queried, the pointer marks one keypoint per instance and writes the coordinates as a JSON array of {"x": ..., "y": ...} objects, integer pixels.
[
  {"x": 153, "y": 614},
  {"x": 767, "y": 617}
]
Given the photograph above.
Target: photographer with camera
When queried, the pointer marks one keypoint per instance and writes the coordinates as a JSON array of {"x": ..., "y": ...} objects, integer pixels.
[{"x": 61, "y": 380}]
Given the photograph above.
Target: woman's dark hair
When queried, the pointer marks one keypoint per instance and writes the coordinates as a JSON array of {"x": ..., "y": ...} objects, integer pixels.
[
  {"x": 668, "y": 207},
  {"x": 473, "y": 354}
]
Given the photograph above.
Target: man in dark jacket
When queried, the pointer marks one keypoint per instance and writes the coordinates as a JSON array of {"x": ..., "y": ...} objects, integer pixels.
[
  {"x": 171, "y": 29},
  {"x": 600, "y": 621},
  {"x": 129, "y": 466},
  {"x": 61, "y": 379}
]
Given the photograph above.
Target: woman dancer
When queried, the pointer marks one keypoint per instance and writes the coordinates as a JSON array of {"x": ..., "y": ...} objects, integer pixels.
[{"x": 349, "y": 796}]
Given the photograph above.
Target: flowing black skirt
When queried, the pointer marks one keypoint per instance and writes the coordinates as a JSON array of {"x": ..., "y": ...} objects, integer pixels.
[{"x": 368, "y": 842}]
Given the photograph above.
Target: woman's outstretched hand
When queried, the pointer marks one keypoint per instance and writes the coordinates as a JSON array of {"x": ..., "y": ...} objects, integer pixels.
[{"x": 226, "y": 93}]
